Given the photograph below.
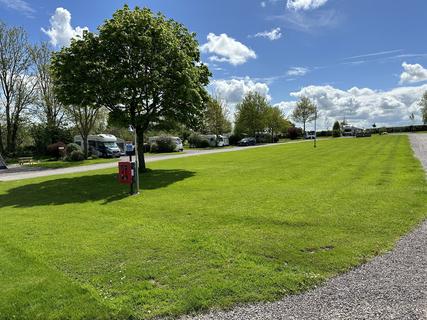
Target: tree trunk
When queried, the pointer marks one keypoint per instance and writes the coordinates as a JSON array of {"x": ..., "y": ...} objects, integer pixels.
[
  {"x": 85, "y": 146},
  {"x": 141, "y": 156},
  {"x": 304, "y": 129},
  {"x": 1, "y": 140}
]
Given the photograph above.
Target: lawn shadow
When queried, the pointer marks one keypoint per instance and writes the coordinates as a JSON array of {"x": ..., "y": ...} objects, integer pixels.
[{"x": 89, "y": 188}]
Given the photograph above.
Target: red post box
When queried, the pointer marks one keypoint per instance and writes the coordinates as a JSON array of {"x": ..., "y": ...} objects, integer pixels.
[{"x": 125, "y": 173}]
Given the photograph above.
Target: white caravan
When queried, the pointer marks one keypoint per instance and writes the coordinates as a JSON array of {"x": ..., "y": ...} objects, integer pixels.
[
  {"x": 102, "y": 145},
  {"x": 216, "y": 141}
]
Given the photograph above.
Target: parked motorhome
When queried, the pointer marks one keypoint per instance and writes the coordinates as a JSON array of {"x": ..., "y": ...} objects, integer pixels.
[
  {"x": 177, "y": 141},
  {"x": 350, "y": 131},
  {"x": 216, "y": 140},
  {"x": 101, "y": 145}
]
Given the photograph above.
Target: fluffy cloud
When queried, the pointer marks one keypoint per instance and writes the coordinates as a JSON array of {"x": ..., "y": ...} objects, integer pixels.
[
  {"x": 297, "y": 71},
  {"x": 361, "y": 106},
  {"x": 233, "y": 91},
  {"x": 305, "y": 4},
  {"x": 61, "y": 32},
  {"x": 274, "y": 34},
  {"x": 413, "y": 73},
  {"x": 227, "y": 49}
]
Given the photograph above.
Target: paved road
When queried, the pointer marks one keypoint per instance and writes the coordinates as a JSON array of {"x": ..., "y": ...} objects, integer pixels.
[
  {"x": 392, "y": 286},
  {"x": 21, "y": 173}
]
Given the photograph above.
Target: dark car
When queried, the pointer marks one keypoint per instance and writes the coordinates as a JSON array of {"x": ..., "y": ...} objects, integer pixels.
[{"x": 247, "y": 142}]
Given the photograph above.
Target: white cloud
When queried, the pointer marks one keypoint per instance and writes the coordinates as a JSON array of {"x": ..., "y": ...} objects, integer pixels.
[
  {"x": 227, "y": 49},
  {"x": 263, "y": 4},
  {"x": 362, "y": 106},
  {"x": 297, "y": 71},
  {"x": 19, "y": 5},
  {"x": 61, "y": 32},
  {"x": 233, "y": 91},
  {"x": 305, "y": 4},
  {"x": 310, "y": 21},
  {"x": 413, "y": 73},
  {"x": 274, "y": 34}
]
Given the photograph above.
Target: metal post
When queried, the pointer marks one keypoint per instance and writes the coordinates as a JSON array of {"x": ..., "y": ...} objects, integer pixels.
[
  {"x": 136, "y": 191},
  {"x": 315, "y": 129}
]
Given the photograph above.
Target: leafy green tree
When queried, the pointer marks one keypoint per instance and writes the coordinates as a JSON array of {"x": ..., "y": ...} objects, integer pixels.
[
  {"x": 143, "y": 67},
  {"x": 276, "y": 121},
  {"x": 77, "y": 71},
  {"x": 155, "y": 72},
  {"x": 216, "y": 120},
  {"x": 304, "y": 112},
  {"x": 423, "y": 105},
  {"x": 251, "y": 114},
  {"x": 336, "y": 129}
]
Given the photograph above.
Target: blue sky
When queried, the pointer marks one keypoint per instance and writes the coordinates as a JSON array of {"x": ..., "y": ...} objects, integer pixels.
[{"x": 364, "y": 60}]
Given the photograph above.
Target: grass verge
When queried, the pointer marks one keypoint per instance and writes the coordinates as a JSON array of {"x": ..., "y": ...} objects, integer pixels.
[{"x": 206, "y": 232}]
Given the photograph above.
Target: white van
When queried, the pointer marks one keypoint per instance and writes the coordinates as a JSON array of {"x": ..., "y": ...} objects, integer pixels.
[
  {"x": 177, "y": 141},
  {"x": 102, "y": 145},
  {"x": 216, "y": 141}
]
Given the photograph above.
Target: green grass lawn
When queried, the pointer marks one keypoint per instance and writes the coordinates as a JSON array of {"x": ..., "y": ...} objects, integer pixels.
[
  {"x": 68, "y": 164},
  {"x": 206, "y": 232}
]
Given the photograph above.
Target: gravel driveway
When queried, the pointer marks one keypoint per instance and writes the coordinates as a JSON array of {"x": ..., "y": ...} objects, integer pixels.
[{"x": 392, "y": 286}]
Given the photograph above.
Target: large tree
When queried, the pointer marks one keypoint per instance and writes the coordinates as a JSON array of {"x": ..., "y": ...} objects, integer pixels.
[
  {"x": 77, "y": 71},
  {"x": 423, "y": 105},
  {"x": 251, "y": 114},
  {"x": 17, "y": 85},
  {"x": 276, "y": 121},
  {"x": 304, "y": 112},
  {"x": 151, "y": 71},
  {"x": 216, "y": 117}
]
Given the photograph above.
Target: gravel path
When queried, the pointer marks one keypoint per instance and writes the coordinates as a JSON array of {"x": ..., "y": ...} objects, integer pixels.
[{"x": 392, "y": 286}]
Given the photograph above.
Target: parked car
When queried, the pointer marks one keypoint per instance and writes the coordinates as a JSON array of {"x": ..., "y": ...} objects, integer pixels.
[
  {"x": 247, "y": 142},
  {"x": 311, "y": 135},
  {"x": 363, "y": 134}
]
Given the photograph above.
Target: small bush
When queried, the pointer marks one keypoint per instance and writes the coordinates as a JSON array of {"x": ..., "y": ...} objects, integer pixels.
[
  {"x": 76, "y": 155},
  {"x": 194, "y": 140},
  {"x": 204, "y": 144},
  {"x": 336, "y": 133},
  {"x": 54, "y": 150},
  {"x": 294, "y": 133},
  {"x": 163, "y": 144},
  {"x": 234, "y": 139},
  {"x": 72, "y": 147}
]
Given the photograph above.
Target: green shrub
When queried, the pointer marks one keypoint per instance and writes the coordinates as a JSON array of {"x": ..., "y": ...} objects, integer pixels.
[
  {"x": 234, "y": 139},
  {"x": 163, "y": 144},
  {"x": 336, "y": 130},
  {"x": 204, "y": 144},
  {"x": 194, "y": 140},
  {"x": 76, "y": 155},
  {"x": 72, "y": 147}
]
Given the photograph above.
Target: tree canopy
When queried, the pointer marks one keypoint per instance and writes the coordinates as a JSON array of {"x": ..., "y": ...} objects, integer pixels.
[
  {"x": 142, "y": 66},
  {"x": 304, "y": 112},
  {"x": 251, "y": 114}
]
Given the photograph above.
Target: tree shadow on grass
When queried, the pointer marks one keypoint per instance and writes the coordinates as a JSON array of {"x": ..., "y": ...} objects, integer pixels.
[{"x": 90, "y": 188}]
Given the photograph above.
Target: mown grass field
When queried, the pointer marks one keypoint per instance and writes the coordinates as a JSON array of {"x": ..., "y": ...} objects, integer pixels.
[{"x": 206, "y": 232}]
